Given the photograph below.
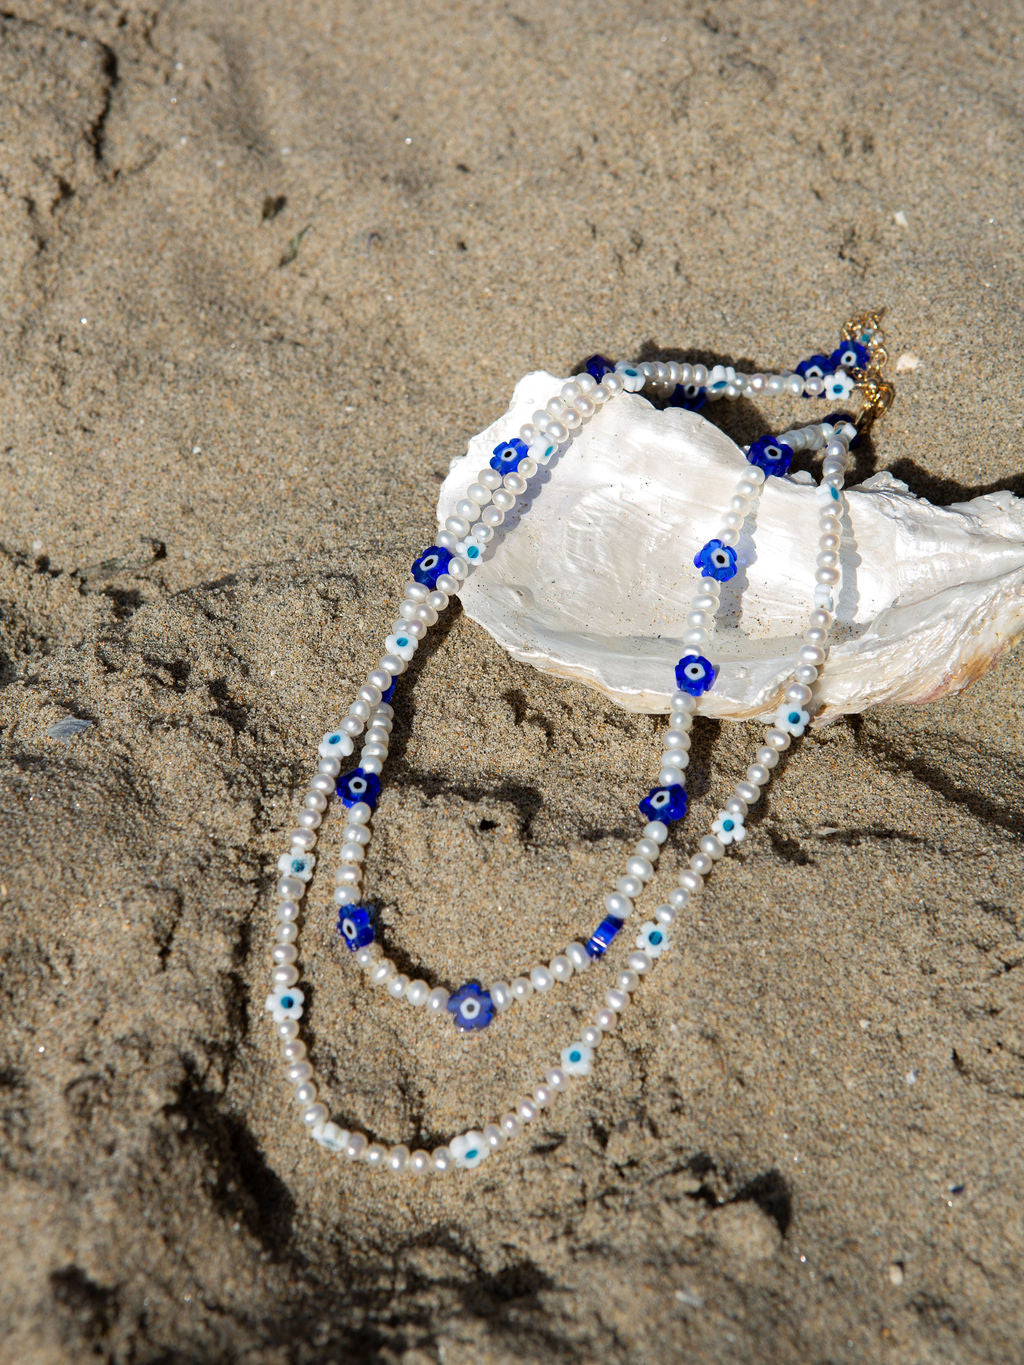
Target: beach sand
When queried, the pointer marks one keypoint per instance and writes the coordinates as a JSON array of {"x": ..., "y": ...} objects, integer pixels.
[{"x": 265, "y": 269}]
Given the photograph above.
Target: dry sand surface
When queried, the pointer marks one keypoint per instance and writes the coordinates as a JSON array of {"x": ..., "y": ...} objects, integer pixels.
[{"x": 265, "y": 267}]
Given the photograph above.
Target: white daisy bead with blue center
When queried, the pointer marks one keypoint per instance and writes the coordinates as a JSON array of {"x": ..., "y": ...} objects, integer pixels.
[
  {"x": 652, "y": 939},
  {"x": 285, "y": 1002},
  {"x": 297, "y": 864},
  {"x": 792, "y": 718},
  {"x": 331, "y": 1137},
  {"x": 729, "y": 828},
  {"x": 576, "y": 1059},
  {"x": 335, "y": 744},
  {"x": 469, "y": 1149},
  {"x": 401, "y": 644}
]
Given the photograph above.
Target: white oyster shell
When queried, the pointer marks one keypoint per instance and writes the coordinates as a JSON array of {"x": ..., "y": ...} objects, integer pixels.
[{"x": 596, "y": 580}]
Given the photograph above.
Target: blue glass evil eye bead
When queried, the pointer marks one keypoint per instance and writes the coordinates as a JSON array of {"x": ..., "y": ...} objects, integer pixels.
[
  {"x": 597, "y": 366},
  {"x": 509, "y": 456},
  {"x": 430, "y": 565},
  {"x": 694, "y": 674},
  {"x": 851, "y": 355},
  {"x": 815, "y": 367},
  {"x": 355, "y": 926},
  {"x": 598, "y": 942},
  {"x": 359, "y": 786},
  {"x": 773, "y": 456},
  {"x": 665, "y": 803},
  {"x": 689, "y": 396},
  {"x": 471, "y": 1006},
  {"x": 716, "y": 561}
]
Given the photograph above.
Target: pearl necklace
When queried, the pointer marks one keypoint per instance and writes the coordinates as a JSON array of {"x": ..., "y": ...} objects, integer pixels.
[{"x": 437, "y": 576}]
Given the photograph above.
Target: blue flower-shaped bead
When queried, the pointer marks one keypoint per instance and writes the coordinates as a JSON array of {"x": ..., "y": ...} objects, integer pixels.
[
  {"x": 814, "y": 367},
  {"x": 851, "y": 355},
  {"x": 359, "y": 786},
  {"x": 597, "y": 943},
  {"x": 509, "y": 456},
  {"x": 665, "y": 803},
  {"x": 431, "y": 564},
  {"x": 597, "y": 366},
  {"x": 694, "y": 674},
  {"x": 355, "y": 926},
  {"x": 717, "y": 561},
  {"x": 773, "y": 456},
  {"x": 471, "y": 1006},
  {"x": 689, "y": 396}
]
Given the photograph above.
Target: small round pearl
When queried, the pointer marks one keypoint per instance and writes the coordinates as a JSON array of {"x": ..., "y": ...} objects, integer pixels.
[
  {"x": 561, "y": 968},
  {"x": 323, "y": 783},
  {"x": 493, "y": 1136},
  {"x": 734, "y": 805},
  {"x": 283, "y": 952},
  {"x": 419, "y": 1162},
  {"x": 299, "y": 1071},
  {"x": 526, "y": 1109},
  {"x": 639, "y": 963},
  {"x": 767, "y": 757},
  {"x": 311, "y": 818},
  {"x": 541, "y": 979},
  {"x": 665, "y": 914},
  {"x": 305, "y": 1093},
  {"x": 376, "y": 1156},
  {"x": 287, "y": 933},
  {"x": 678, "y": 898},
  {"x": 758, "y": 774},
  {"x": 690, "y": 880},
  {"x": 501, "y": 995},
  {"x": 314, "y": 1114},
  {"x": 606, "y": 1019},
  {"x": 510, "y": 1125},
  {"x": 627, "y": 981},
  {"x": 521, "y": 987},
  {"x": 417, "y": 993},
  {"x": 288, "y": 1029},
  {"x": 748, "y": 792},
  {"x": 616, "y": 1000},
  {"x": 591, "y": 1036},
  {"x": 630, "y": 886},
  {"x": 542, "y": 1096},
  {"x": 383, "y": 972},
  {"x": 701, "y": 864},
  {"x": 396, "y": 986},
  {"x": 285, "y": 975},
  {"x": 618, "y": 905},
  {"x": 647, "y": 848},
  {"x": 437, "y": 1000},
  {"x": 365, "y": 957},
  {"x": 578, "y": 956},
  {"x": 796, "y": 692},
  {"x": 398, "y": 1159},
  {"x": 656, "y": 831},
  {"x": 641, "y": 868},
  {"x": 355, "y": 1147},
  {"x": 557, "y": 1079},
  {"x": 442, "y": 1159},
  {"x": 670, "y": 777},
  {"x": 294, "y": 1050}
]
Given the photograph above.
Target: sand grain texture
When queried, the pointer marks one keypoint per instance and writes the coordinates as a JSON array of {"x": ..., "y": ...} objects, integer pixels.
[{"x": 264, "y": 268}]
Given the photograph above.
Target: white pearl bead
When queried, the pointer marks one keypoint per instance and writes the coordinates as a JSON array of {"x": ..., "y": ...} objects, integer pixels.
[
  {"x": 701, "y": 863},
  {"x": 348, "y": 875},
  {"x": 501, "y": 995},
  {"x": 352, "y": 853},
  {"x": 627, "y": 981},
  {"x": 310, "y": 819},
  {"x": 679, "y": 898},
  {"x": 417, "y": 993},
  {"x": 503, "y": 499},
  {"x": 521, "y": 987},
  {"x": 365, "y": 957},
  {"x": 398, "y": 1159},
  {"x": 665, "y": 914},
  {"x": 591, "y": 1036},
  {"x": 796, "y": 692},
  {"x": 647, "y": 848},
  {"x": 690, "y": 880},
  {"x": 606, "y": 1019},
  {"x": 323, "y": 783},
  {"x": 779, "y": 740},
  {"x": 396, "y": 986},
  {"x": 492, "y": 516},
  {"x": 356, "y": 834},
  {"x": 526, "y": 1109},
  {"x": 285, "y": 975},
  {"x": 314, "y": 1114},
  {"x": 618, "y": 905},
  {"x": 298, "y": 1071},
  {"x": 578, "y": 956},
  {"x": 676, "y": 758},
  {"x": 557, "y": 1079},
  {"x": 561, "y": 968},
  {"x": 640, "y": 867},
  {"x": 288, "y": 1029},
  {"x": 541, "y": 979},
  {"x": 477, "y": 493},
  {"x": 510, "y": 1125},
  {"x": 758, "y": 774},
  {"x": 670, "y": 776},
  {"x": 302, "y": 839},
  {"x": 442, "y": 1159},
  {"x": 493, "y": 1136},
  {"x": 748, "y": 792},
  {"x": 734, "y": 805},
  {"x": 542, "y": 1096},
  {"x": 375, "y": 1156},
  {"x": 630, "y": 886},
  {"x": 713, "y": 847},
  {"x": 356, "y": 1146},
  {"x": 656, "y": 831},
  {"x": 287, "y": 933},
  {"x": 419, "y": 1162},
  {"x": 768, "y": 758},
  {"x": 315, "y": 799},
  {"x": 283, "y": 952},
  {"x": 515, "y": 483},
  {"x": 639, "y": 962},
  {"x": 696, "y": 638},
  {"x": 294, "y": 1050},
  {"x": 437, "y": 1000},
  {"x": 329, "y": 767},
  {"x": 359, "y": 814},
  {"x": 305, "y": 1093},
  {"x": 383, "y": 972}
]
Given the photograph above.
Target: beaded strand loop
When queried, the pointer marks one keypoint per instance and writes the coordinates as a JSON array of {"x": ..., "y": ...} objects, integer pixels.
[{"x": 437, "y": 576}]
